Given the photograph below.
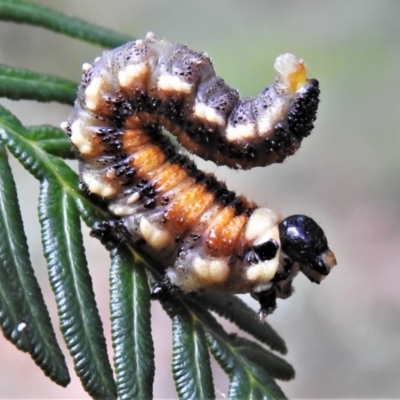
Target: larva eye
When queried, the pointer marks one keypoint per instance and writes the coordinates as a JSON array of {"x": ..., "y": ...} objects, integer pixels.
[
  {"x": 266, "y": 251},
  {"x": 304, "y": 242}
]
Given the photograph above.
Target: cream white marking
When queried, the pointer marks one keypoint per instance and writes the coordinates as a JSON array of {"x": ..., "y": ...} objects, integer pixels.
[
  {"x": 210, "y": 271},
  {"x": 133, "y": 198},
  {"x": 134, "y": 73},
  {"x": 172, "y": 83},
  {"x": 80, "y": 138},
  {"x": 120, "y": 209},
  {"x": 261, "y": 229},
  {"x": 267, "y": 120},
  {"x": 240, "y": 131},
  {"x": 202, "y": 111},
  {"x": 263, "y": 272},
  {"x": 93, "y": 93},
  {"x": 260, "y": 222},
  {"x": 96, "y": 185},
  {"x": 156, "y": 238}
]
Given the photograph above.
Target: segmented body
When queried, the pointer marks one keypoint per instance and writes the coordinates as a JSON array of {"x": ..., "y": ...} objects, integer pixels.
[{"x": 189, "y": 220}]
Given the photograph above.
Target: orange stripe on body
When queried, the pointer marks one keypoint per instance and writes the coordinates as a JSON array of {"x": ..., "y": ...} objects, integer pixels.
[
  {"x": 187, "y": 208},
  {"x": 133, "y": 138},
  {"x": 147, "y": 159},
  {"x": 141, "y": 120},
  {"x": 167, "y": 176},
  {"x": 207, "y": 217},
  {"x": 224, "y": 232}
]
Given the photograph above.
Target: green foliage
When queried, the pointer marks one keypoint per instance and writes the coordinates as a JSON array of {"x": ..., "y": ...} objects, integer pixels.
[
  {"x": 24, "y": 317},
  {"x": 18, "y": 84},
  {"x": 131, "y": 328},
  {"x": 26, "y": 12}
]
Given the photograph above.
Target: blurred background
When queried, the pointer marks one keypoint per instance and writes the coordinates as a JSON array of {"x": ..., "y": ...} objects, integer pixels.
[{"x": 344, "y": 335}]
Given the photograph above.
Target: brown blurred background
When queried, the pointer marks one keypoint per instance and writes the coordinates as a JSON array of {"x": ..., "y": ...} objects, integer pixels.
[{"x": 343, "y": 336}]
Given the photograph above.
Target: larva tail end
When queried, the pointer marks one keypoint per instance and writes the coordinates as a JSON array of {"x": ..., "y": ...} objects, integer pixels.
[{"x": 292, "y": 71}]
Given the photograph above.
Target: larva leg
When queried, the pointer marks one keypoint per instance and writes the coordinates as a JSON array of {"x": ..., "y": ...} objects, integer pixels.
[
  {"x": 103, "y": 232},
  {"x": 164, "y": 290},
  {"x": 267, "y": 300},
  {"x": 110, "y": 232}
]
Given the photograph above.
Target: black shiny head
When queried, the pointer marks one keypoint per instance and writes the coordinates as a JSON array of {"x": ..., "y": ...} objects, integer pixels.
[{"x": 304, "y": 242}]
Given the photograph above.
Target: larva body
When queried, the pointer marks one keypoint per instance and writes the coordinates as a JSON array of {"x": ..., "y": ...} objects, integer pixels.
[{"x": 211, "y": 239}]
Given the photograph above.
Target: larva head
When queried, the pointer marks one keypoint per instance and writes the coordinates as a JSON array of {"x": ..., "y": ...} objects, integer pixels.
[{"x": 304, "y": 242}]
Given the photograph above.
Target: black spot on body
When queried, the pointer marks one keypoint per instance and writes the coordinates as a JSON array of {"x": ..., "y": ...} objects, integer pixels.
[
  {"x": 267, "y": 250},
  {"x": 164, "y": 200},
  {"x": 150, "y": 204}
]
